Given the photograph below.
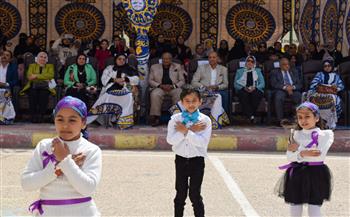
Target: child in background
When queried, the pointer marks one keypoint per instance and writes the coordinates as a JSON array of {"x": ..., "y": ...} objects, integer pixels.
[
  {"x": 65, "y": 169},
  {"x": 189, "y": 134},
  {"x": 307, "y": 179}
]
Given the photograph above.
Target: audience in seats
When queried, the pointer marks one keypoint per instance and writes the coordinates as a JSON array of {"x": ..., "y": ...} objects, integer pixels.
[
  {"x": 80, "y": 79},
  {"x": 324, "y": 89},
  {"x": 212, "y": 80},
  {"x": 39, "y": 86},
  {"x": 164, "y": 79},
  {"x": 285, "y": 84},
  {"x": 115, "y": 105},
  {"x": 8, "y": 79},
  {"x": 249, "y": 85}
]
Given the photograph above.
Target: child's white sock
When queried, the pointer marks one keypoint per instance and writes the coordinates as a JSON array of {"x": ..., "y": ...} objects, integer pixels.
[
  {"x": 314, "y": 210},
  {"x": 296, "y": 210}
]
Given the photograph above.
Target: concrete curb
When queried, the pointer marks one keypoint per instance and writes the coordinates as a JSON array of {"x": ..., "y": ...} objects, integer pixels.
[{"x": 155, "y": 139}]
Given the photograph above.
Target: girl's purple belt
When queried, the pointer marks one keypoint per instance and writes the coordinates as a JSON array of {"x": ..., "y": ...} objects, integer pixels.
[
  {"x": 294, "y": 164},
  {"x": 38, "y": 204}
]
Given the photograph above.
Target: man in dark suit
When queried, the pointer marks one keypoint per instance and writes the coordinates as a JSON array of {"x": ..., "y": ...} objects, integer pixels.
[
  {"x": 8, "y": 71},
  {"x": 285, "y": 83},
  {"x": 8, "y": 80}
]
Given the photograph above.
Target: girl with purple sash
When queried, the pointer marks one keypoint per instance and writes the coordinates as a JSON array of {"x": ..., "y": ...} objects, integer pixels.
[
  {"x": 65, "y": 169},
  {"x": 307, "y": 179}
]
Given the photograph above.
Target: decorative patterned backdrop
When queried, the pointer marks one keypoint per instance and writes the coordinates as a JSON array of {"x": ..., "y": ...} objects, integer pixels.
[
  {"x": 317, "y": 12},
  {"x": 250, "y": 22},
  {"x": 209, "y": 20},
  {"x": 341, "y": 15},
  {"x": 82, "y": 20},
  {"x": 10, "y": 20},
  {"x": 330, "y": 21},
  {"x": 297, "y": 17},
  {"x": 307, "y": 26},
  {"x": 38, "y": 20},
  {"x": 287, "y": 16},
  {"x": 171, "y": 21}
]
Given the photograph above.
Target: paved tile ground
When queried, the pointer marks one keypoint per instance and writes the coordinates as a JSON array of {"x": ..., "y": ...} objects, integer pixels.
[{"x": 141, "y": 183}]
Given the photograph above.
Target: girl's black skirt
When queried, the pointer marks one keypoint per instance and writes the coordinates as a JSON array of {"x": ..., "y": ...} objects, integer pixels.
[{"x": 305, "y": 184}]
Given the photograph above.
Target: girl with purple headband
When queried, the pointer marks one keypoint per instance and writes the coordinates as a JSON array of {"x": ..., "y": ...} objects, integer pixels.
[
  {"x": 307, "y": 179},
  {"x": 65, "y": 169}
]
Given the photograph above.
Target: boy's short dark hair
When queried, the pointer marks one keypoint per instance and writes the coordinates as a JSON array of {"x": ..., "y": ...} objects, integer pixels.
[{"x": 188, "y": 91}]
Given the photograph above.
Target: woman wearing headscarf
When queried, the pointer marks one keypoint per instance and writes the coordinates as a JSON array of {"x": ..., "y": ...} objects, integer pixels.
[
  {"x": 237, "y": 51},
  {"x": 80, "y": 79},
  {"x": 39, "y": 84},
  {"x": 223, "y": 52},
  {"x": 114, "y": 107},
  {"x": 249, "y": 85},
  {"x": 183, "y": 52},
  {"x": 323, "y": 92}
]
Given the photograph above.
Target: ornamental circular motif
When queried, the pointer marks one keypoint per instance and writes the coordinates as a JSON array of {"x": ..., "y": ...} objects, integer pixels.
[
  {"x": 250, "y": 23},
  {"x": 305, "y": 26},
  {"x": 330, "y": 21},
  {"x": 82, "y": 20},
  {"x": 10, "y": 20},
  {"x": 171, "y": 21}
]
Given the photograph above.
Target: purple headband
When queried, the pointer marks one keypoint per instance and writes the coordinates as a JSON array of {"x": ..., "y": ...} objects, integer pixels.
[
  {"x": 314, "y": 108},
  {"x": 73, "y": 103}
]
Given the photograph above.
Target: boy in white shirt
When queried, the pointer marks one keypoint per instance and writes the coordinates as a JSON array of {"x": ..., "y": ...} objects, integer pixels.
[{"x": 189, "y": 134}]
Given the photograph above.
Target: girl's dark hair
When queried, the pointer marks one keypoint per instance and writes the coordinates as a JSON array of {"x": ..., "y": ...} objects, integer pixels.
[
  {"x": 188, "y": 91},
  {"x": 320, "y": 123},
  {"x": 105, "y": 41}
]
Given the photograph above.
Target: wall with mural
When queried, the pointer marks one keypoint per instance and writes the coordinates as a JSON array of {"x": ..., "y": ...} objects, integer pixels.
[{"x": 196, "y": 20}]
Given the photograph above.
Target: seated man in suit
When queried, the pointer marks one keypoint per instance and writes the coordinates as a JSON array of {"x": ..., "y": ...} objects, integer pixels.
[
  {"x": 164, "y": 79},
  {"x": 285, "y": 83},
  {"x": 213, "y": 77},
  {"x": 8, "y": 79}
]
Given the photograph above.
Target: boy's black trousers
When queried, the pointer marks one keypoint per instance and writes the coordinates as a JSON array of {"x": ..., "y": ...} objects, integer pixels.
[{"x": 189, "y": 177}]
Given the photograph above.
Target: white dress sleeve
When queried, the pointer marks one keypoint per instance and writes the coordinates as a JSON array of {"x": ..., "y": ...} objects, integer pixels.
[
  {"x": 34, "y": 175},
  {"x": 85, "y": 179}
]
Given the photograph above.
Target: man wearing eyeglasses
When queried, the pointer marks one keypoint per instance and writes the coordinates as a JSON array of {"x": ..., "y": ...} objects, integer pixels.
[{"x": 286, "y": 84}]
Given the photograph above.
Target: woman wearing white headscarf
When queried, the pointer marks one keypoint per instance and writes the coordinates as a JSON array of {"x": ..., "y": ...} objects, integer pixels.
[
  {"x": 114, "y": 107},
  {"x": 40, "y": 86},
  {"x": 249, "y": 85}
]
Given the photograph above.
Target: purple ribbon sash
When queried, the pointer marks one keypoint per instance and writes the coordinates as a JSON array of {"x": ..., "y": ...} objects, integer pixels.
[
  {"x": 48, "y": 158},
  {"x": 38, "y": 204},
  {"x": 314, "y": 139},
  {"x": 294, "y": 165}
]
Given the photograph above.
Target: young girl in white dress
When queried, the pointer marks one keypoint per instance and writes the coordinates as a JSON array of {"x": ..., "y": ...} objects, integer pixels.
[
  {"x": 66, "y": 169},
  {"x": 307, "y": 179}
]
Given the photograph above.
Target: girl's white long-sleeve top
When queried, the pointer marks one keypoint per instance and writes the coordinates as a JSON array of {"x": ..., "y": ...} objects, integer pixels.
[
  {"x": 75, "y": 182},
  {"x": 193, "y": 144},
  {"x": 303, "y": 138}
]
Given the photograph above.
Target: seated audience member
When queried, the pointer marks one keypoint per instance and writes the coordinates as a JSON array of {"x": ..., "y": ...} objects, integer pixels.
[
  {"x": 238, "y": 50},
  {"x": 323, "y": 92},
  {"x": 208, "y": 46},
  {"x": 183, "y": 52},
  {"x": 199, "y": 52},
  {"x": 223, "y": 52},
  {"x": 212, "y": 80},
  {"x": 80, "y": 79},
  {"x": 102, "y": 54},
  {"x": 40, "y": 86},
  {"x": 262, "y": 54},
  {"x": 164, "y": 79},
  {"x": 8, "y": 79},
  {"x": 249, "y": 85},
  {"x": 115, "y": 105},
  {"x": 285, "y": 83}
]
